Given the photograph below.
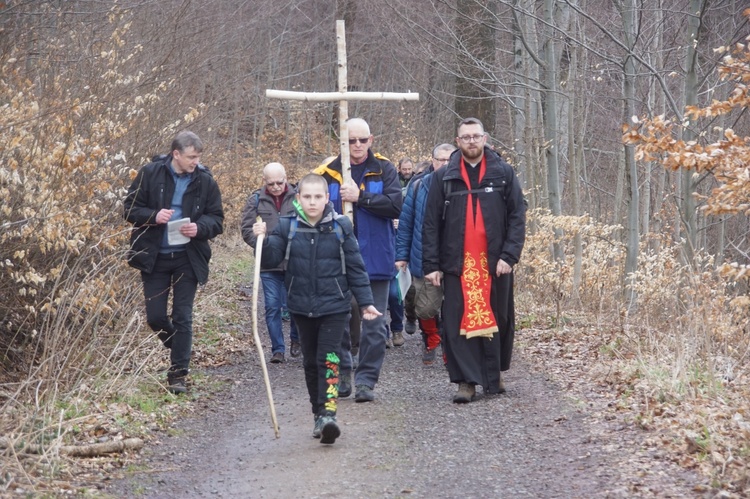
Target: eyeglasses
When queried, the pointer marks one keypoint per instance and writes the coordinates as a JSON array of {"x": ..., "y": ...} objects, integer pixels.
[
  {"x": 471, "y": 138},
  {"x": 276, "y": 184},
  {"x": 442, "y": 160},
  {"x": 361, "y": 141}
]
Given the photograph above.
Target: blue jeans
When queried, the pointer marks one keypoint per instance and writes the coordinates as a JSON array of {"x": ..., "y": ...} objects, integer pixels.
[
  {"x": 172, "y": 273},
  {"x": 395, "y": 307},
  {"x": 273, "y": 294}
]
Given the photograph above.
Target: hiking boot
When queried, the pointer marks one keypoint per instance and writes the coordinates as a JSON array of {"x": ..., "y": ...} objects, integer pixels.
[
  {"x": 318, "y": 426},
  {"x": 429, "y": 356},
  {"x": 176, "y": 381},
  {"x": 465, "y": 393},
  {"x": 345, "y": 385},
  {"x": 410, "y": 327},
  {"x": 501, "y": 385},
  {"x": 295, "y": 350},
  {"x": 329, "y": 430},
  {"x": 277, "y": 358},
  {"x": 388, "y": 342},
  {"x": 364, "y": 394},
  {"x": 398, "y": 339}
]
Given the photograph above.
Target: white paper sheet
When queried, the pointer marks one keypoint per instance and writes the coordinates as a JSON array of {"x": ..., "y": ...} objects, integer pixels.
[
  {"x": 404, "y": 283},
  {"x": 173, "y": 232}
]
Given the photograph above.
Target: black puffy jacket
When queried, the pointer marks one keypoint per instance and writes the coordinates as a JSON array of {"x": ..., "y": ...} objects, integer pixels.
[
  {"x": 151, "y": 191},
  {"x": 315, "y": 283}
]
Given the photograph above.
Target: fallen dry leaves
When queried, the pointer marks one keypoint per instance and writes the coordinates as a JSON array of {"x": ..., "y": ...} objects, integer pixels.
[{"x": 704, "y": 430}]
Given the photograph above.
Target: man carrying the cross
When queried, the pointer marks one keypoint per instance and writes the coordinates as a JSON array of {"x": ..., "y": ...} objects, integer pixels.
[
  {"x": 375, "y": 193},
  {"x": 473, "y": 233}
]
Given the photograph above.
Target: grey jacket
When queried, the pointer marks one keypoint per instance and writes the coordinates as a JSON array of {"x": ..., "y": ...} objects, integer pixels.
[{"x": 260, "y": 203}]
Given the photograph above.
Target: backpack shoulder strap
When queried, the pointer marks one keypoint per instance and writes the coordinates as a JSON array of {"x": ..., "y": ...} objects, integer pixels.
[
  {"x": 447, "y": 193},
  {"x": 289, "y": 237},
  {"x": 339, "y": 230},
  {"x": 294, "y": 228},
  {"x": 413, "y": 186}
]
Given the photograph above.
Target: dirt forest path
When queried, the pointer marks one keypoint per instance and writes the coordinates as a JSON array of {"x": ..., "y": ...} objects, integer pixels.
[{"x": 411, "y": 442}]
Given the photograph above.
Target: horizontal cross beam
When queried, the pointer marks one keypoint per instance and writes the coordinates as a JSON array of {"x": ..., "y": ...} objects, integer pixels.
[{"x": 341, "y": 96}]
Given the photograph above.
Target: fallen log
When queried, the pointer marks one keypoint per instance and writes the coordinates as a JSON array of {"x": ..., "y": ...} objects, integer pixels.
[{"x": 87, "y": 450}]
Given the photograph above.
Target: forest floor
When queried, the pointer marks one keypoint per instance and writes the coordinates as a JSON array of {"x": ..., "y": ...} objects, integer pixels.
[
  {"x": 551, "y": 435},
  {"x": 576, "y": 421}
]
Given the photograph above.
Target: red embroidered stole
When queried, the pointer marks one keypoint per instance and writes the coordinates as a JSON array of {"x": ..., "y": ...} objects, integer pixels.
[{"x": 476, "y": 283}]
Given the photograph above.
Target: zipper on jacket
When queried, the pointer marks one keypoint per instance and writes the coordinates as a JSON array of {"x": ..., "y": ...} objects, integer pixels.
[{"x": 162, "y": 188}]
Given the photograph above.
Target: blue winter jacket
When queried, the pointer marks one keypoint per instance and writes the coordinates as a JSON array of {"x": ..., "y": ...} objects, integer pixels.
[
  {"x": 379, "y": 203},
  {"x": 409, "y": 234}
]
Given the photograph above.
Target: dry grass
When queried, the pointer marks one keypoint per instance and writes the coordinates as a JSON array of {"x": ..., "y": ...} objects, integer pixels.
[{"x": 676, "y": 365}]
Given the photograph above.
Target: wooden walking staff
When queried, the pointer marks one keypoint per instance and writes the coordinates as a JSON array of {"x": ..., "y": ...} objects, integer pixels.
[
  {"x": 343, "y": 97},
  {"x": 256, "y": 337}
]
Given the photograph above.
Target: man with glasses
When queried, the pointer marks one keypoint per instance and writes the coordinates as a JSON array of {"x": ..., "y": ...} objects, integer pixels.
[
  {"x": 274, "y": 200},
  {"x": 473, "y": 233},
  {"x": 375, "y": 193},
  {"x": 174, "y": 188},
  {"x": 423, "y": 301}
]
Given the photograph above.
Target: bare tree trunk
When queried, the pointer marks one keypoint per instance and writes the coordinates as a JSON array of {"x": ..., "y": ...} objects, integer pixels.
[
  {"x": 527, "y": 99},
  {"x": 656, "y": 107},
  {"x": 688, "y": 184},
  {"x": 550, "y": 120},
  {"x": 520, "y": 118},
  {"x": 628, "y": 11},
  {"x": 575, "y": 117}
]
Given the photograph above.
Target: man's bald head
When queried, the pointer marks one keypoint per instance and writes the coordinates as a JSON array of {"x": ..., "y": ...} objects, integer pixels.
[{"x": 274, "y": 175}]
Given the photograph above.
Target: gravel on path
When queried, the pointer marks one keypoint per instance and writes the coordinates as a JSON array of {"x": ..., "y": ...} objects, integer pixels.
[{"x": 412, "y": 441}]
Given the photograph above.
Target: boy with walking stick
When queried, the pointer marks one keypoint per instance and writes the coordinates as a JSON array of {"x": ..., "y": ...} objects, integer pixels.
[{"x": 324, "y": 268}]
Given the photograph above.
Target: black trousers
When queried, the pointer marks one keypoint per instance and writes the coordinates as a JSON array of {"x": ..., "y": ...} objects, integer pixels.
[
  {"x": 478, "y": 361},
  {"x": 172, "y": 273},
  {"x": 320, "y": 339}
]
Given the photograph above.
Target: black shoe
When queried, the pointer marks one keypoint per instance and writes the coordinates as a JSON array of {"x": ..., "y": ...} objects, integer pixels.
[
  {"x": 410, "y": 327},
  {"x": 345, "y": 385},
  {"x": 277, "y": 358},
  {"x": 295, "y": 350},
  {"x": 176, "y": 381},
  {"x": 318, "y": 426},
  {"x": 364, "y": 394},
  {"x": 329, "y": 430}
]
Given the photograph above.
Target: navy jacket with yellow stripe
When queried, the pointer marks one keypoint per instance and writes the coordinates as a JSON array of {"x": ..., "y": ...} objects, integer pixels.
[{"x": 379, "y": 203}]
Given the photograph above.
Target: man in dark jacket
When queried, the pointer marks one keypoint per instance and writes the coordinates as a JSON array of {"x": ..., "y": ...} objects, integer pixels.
[
  {"x": 473, "y": 233},
  {"x": 175, "y": 207},
  {"x": 405, "y": 172},
  {"x": 425, "y": 300},
  {"x": 274, "y": 200},
  {"x": 376, "y": 194}
]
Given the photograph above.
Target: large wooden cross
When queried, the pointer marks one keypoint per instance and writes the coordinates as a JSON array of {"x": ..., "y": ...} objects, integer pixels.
[{"x": 343, "y": 97}]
